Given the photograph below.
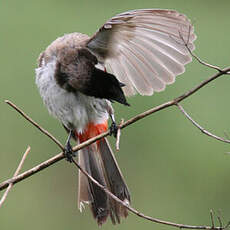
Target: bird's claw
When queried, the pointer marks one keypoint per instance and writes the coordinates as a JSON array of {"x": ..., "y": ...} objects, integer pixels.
[
  {"x": 113, "y": 129},
  {"x": 68, "y": 152}
]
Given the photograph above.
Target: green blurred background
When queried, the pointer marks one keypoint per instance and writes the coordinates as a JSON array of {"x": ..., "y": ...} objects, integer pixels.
[{"x": 173, "y": 171}]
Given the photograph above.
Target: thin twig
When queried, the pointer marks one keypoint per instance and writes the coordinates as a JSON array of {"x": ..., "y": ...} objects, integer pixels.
[
  {"x": 176, "y": 100},
  {"x": 203, "y": 62},
  {"x": 15, "y": 174},
  {"x": 200, "y": 127},
  {"x": 202, "y": 84},
  {"x": 220, "y": 221},
  {"x": 155, "y": 220},
  {"x": 212, "y": 218},
  {"x": 119, "y": 135},
  {"x": 31, "y": 171},
  {"x": 35, "y": 124},
  {"x": 186, "y": 44}
]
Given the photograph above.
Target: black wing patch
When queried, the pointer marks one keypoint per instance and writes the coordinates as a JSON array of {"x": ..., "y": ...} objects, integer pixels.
[
  {"x": 76, "y": 71},
  {"x": 105, "y": 85}
]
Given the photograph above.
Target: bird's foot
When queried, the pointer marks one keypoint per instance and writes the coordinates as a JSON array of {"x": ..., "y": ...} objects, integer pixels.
[
  {"x": 68, "y": 152},
  {"x": 113, "y": 129}
]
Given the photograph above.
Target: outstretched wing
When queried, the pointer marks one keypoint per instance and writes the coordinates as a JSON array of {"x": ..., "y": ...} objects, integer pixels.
[{"x": 145, "y": 49}]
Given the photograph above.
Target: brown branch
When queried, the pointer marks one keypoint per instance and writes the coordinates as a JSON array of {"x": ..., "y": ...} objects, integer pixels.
[
  {"x": 176, "y": 100},
  {"x": 155, "y": 220},
  {"x": 48, "y": 162},
  {"x": 16, "y": 178},
  {"x": 60, "y": 156},
  {"x": 200, "y": 127},
  {"x": 136, "y": 118},
  {"x": 15, "y": 174}
]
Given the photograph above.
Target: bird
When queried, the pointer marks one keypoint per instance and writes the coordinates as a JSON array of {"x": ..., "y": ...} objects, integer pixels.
[{"x": 79, "y": 77}]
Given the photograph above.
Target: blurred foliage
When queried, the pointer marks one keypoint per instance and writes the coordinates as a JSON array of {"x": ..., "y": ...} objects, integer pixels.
[{"x": 173, "y": 171}]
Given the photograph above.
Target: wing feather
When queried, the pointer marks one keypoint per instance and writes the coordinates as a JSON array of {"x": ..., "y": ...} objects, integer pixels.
[
  {"x": 158, "y": 70},
  {"x": 145, "y": 49},
  {"x": 140, "y": 83},
  {"x": 119, "y": 70},
  {"x": 148, "y": 73}
]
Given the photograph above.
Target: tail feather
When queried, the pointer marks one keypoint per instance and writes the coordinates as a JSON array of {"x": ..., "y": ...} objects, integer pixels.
[
  {"x": 115, "y": 181},
  {"x": 90, "y": 193},
  {"x": 98, "y": 160}
]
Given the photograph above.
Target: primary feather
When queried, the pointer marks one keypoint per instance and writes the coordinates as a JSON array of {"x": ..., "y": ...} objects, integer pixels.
[{"x": 145, "y": 49}]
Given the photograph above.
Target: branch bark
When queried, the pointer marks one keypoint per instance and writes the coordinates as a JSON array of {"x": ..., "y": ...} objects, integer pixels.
[
  {"x": 200, "y": 127},
  {"x": 60, "y": 156},
  {"x": 155, "y": 220},
  {"x": 136, "y": 118}
]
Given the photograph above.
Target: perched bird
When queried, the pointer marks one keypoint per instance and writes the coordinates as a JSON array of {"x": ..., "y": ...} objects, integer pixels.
[{"x": 139, "y": 51}]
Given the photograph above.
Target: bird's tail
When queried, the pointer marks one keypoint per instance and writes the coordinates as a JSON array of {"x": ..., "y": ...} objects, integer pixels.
[{"x": 98, "y": 160}]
